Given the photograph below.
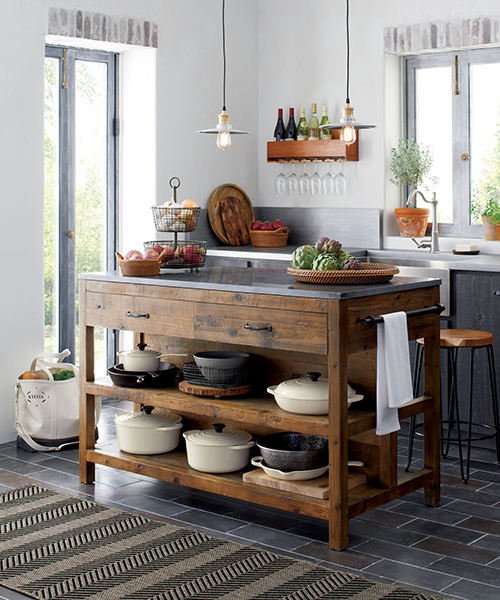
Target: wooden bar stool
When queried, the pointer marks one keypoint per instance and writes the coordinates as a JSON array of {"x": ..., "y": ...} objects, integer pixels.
[{"x": 452, "y": 340}]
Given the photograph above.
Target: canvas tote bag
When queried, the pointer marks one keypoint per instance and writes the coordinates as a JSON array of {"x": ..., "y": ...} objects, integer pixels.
[{"x": 47, "y": 411}]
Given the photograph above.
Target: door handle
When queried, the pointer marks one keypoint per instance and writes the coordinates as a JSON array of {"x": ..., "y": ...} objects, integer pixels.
[
  {"x": 71, "y": 234},
  {"x": 136, "y": 315}
]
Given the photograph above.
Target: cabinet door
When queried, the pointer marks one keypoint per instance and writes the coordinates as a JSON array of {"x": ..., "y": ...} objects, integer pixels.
[{"x": 477, "y": 307}]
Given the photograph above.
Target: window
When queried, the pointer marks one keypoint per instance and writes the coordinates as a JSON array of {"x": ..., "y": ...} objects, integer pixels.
[
  {"x": 453, "y": 106},
  {"x": 80, "y": 186}
]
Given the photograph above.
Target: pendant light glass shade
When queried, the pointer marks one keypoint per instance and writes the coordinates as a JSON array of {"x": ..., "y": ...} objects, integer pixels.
[
  {"x": 347, "y": 124},
  {"x": 224, "y": 129}
]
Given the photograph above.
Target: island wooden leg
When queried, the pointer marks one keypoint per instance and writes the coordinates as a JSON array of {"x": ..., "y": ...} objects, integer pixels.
[
  {"x": 432, "y": 418},
  {"x": 87, "y": 402},
  {"x": 337, "y": 432}
]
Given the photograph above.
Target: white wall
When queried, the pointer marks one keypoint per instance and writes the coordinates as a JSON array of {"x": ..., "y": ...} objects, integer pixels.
[
  {"x": 189, "y": 97},
  {"x": 304, "y": 62}
]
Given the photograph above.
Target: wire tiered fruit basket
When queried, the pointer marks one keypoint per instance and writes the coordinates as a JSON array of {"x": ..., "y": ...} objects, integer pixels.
[{"x": 188, "y": 254}]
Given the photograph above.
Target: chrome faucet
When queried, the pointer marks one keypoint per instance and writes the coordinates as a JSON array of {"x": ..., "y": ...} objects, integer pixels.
[{"x": 433, "y": 243}]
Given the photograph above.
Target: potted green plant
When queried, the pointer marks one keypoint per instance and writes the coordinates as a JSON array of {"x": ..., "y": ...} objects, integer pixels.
[
  {"x": 411, "y": 164},
  {"x": 488, "y": 213}
]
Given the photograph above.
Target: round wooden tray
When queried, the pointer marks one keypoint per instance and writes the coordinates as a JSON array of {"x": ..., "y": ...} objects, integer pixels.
[
  {"x": 215, "y": 203},
  {"x": 199, "y": 390},
  {"x": 371, "y": 273}
]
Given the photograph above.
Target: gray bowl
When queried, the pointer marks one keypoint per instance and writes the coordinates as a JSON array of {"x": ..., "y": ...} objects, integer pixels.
[
  {"x": 220, "y": 360},
  {"x": 294, "y": 451}
]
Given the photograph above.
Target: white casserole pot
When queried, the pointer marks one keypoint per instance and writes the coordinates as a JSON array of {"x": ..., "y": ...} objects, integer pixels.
[
  {"x": 307, "y": 395},
  {"x": 145, "y": 433},
  {"x": 142, "y": 360},
  {"x": 218, "y": 451}
]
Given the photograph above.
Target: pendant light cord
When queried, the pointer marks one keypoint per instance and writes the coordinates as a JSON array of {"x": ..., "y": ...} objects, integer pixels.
[
  {"x": 223, "y": 55},
  {"x": 348, "y": 101}
]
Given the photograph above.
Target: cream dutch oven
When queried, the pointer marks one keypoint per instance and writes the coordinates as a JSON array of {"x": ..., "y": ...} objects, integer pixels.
[
  {"x": 218, "y": 450},
  {"x": 145, "y": 433},
  {"x": 307, "y": 395}
]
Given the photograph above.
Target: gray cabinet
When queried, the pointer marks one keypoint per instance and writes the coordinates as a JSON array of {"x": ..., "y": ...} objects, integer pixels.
[{"x": 475, "y": 306}]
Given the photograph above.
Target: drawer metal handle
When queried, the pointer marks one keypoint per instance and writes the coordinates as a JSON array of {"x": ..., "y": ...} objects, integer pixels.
[
  {"x": 496, "y": 292},
  {"x": 257, "y": 328},
  {"x": 137, "y": 315}
]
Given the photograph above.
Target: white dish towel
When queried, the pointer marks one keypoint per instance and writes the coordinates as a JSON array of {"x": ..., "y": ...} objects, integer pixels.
[{"x": 394, "y": 384}]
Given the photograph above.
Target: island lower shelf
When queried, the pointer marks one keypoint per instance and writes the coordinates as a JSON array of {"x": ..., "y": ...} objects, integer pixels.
[{"x": 173, "y": 467}]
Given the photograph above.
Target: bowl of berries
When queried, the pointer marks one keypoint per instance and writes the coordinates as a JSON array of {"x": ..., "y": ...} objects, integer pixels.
[{"x": 269, "y": 235}]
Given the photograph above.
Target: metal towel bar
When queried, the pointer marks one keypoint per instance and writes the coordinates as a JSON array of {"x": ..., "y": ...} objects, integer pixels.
[{"x": 429, "y": 310}]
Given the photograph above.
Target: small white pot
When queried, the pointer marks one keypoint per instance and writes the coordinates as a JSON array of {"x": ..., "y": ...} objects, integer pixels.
[
  {"x": 145, "y": 433},
  {"x": 142, "y": 360},
  {"x": 217, "y": 451},
  {"x": 307, "y": 395}
]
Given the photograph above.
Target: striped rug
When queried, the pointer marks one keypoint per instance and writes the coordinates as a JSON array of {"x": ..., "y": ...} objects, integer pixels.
[{"x": 56, "y": 546}]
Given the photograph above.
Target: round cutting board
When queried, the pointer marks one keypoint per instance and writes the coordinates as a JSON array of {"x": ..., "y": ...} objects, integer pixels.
[{"x": 227, "y": 190}]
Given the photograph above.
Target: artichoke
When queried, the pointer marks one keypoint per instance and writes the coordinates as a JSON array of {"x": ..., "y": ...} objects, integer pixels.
[
  {"x": 351, "y": 264},
  {"x": 343, "y": 256},
  {"x": 303, "y": 257},
  {"x": 325, "y": 262},
  {"x": 319, "y": 244},
  {"x": 332, "y": 247}
]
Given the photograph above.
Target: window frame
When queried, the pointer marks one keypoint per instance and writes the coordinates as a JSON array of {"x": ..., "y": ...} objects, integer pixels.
[{"x": 461, "y": 105}]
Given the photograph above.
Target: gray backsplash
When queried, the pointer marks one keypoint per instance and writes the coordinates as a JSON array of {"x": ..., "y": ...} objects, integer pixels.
[{"x": 354, "y": 227}]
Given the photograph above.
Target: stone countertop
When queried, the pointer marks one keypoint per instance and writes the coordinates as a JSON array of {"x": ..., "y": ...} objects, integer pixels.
[
  {"x": 263, "y": 281},
  {"x": 478, "y": 262}
]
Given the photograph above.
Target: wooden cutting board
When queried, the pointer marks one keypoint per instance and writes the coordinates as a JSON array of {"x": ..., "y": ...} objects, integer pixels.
[
  {"x": 200, "y": 390},
  {"x": 214, "y": 208},
  {"x": 314, "y": 488},
  {"x": 235, "y": 221}
]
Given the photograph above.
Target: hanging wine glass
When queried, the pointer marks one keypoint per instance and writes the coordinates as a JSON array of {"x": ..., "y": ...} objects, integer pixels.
[
  {"x": 280, "y": 183},
  {"x": 293, "y": 182},
  {"x": 328, "y": 183},
  {"x": 316, "y": 182},
  {"x": 305, "y": 182},
  {"x": 340, "y": 182}
]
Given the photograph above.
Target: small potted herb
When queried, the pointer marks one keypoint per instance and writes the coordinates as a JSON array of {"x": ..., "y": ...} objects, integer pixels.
[
  {"x": 488, "y": 212},
  {"x": 411, "y": 164}
]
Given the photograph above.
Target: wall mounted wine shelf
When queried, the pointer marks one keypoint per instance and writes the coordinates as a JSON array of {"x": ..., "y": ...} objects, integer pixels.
[{"x": 313, "y": 151}]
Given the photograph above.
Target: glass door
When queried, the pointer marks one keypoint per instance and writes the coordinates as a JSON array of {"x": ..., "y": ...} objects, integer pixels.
[{"x": 80, "y": 187}]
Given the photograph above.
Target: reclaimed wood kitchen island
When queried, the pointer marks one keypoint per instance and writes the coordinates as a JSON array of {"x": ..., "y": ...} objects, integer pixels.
[{"x": 301, "y": 328}]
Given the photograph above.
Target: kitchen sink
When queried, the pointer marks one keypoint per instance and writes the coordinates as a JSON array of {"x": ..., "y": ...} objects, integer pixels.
[{"x": 420, "y": 267}]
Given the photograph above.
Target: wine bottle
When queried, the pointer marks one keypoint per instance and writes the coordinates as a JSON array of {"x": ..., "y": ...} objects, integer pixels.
[
  {"x": 291, "y": 128},
  {"x": 314, "y": 124},
  {"x": 279, "y": 130},
  {"x": 325, "y": 134},
  {"x": 302, "y": 129}
]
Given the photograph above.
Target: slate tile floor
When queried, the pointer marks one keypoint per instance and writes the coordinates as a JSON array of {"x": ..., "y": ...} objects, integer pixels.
[{"x": 451, "y": 551}]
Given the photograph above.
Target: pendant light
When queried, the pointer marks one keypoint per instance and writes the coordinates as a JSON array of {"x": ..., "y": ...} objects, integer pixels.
[
  {"x": 224, "y": 129},
  {"x": 348, "y": 124}
]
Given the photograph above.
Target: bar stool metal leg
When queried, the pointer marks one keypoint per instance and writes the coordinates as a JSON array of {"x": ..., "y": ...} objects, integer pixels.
[{"x": 417, "y": 370}]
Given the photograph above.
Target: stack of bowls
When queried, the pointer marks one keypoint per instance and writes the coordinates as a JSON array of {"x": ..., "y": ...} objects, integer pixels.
[{"x": 221, "y": 368}]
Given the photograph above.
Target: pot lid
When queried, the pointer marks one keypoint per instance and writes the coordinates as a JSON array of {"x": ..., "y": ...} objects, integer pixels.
[
  {"x": 218, "y": 436},
  {"x": 312, "y": 387},
  {"x": 145, "y": 420},
  {"x": 141, "y": 353}
]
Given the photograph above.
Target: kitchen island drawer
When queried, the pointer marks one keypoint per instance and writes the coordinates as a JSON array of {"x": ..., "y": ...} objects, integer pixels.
[
  {"x": 280, "y": 329},
  {"x": 135, "y": 313}
]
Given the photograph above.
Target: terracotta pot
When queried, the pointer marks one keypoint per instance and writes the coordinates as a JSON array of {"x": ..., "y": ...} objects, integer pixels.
[
  {"x": 498, "y": 231},
  {"x": 490, "y": 229},
  {"x": 412, "y": 222}
]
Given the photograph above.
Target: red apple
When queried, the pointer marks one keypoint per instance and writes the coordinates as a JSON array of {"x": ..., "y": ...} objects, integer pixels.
[
  {"x": 157, "y": 248},
  {"x": 266, "y": 226},
  {"x": 256, "y": 225},
  {"x": 167, "y": 253},
  {"x": 190, "y": 253},
  {"x": 277, "y": 224}
]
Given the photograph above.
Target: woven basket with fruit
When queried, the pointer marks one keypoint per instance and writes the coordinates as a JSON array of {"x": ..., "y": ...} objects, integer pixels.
[
  {"x": 269, "y": 235},
  {"x": 326, "y": 262}
]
